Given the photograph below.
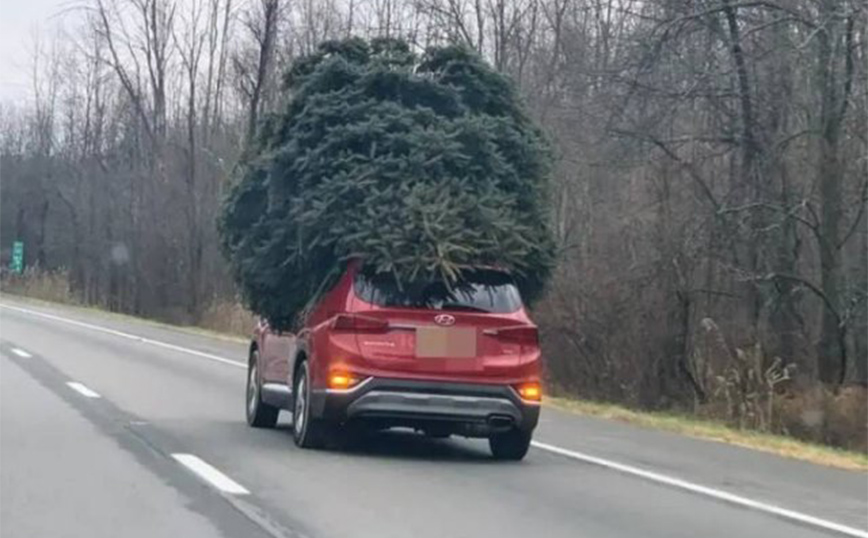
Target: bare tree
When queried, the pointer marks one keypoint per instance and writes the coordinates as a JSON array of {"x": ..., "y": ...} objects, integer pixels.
[
  {"x": 261, "y": 23},
  {"x": 835, "y": 73}
]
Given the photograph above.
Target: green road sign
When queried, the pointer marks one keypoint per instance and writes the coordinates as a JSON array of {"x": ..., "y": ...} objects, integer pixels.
[{"x": 17, "y": 264}]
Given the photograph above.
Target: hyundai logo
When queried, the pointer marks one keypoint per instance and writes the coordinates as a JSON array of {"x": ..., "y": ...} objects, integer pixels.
[{"x": 444, "y": 319}]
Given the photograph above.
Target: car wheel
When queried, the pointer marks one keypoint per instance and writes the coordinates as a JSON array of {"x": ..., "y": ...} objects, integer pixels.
[
  {"x": 307, "y": 431},
  {"x": 512, "y": 445},
  {"x": 259, "y": 413}
]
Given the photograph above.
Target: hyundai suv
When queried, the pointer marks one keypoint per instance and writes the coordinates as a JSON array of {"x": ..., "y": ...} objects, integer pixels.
[{"x": 463, "y": 360}]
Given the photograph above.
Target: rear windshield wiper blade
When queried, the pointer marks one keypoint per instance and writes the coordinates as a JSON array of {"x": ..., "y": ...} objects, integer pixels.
[{"x": 459, "y": 306}]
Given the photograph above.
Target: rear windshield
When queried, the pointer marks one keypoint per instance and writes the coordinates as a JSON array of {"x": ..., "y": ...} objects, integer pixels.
[{"x": 479, "y": 291}]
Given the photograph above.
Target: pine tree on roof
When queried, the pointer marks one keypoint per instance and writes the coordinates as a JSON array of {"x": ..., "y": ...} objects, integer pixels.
[{"x": 423, "y": 167}]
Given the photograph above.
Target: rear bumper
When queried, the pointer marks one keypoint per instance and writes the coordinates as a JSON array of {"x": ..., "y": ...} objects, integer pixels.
[{"x": 474, "y": 410}]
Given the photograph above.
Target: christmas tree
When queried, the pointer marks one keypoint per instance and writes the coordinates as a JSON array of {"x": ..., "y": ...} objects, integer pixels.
[{"x": 421, "y": 166}]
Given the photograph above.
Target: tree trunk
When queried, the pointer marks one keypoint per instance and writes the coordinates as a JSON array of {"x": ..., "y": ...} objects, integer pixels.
[
  {"x": 831, "y": 349},
  {"x": 266, "y": 44},
  {"x": 750, "y": 182}
]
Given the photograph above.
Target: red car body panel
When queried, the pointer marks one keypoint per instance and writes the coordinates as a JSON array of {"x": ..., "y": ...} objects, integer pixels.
[{"x": 391, "y": 352}]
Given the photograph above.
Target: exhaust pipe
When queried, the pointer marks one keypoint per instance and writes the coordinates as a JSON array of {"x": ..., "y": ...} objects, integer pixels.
[{"x": 500, "y": 422}]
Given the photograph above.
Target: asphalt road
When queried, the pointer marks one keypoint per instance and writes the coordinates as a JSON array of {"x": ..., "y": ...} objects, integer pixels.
[{"x": 116, "y": 454}]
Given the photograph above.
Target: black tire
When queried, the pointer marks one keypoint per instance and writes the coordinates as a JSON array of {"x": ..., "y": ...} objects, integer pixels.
[
  {"x": 307, "y": 431},
  {"x": 259, "y": 413},
  {"x": 511, "y": 446}
]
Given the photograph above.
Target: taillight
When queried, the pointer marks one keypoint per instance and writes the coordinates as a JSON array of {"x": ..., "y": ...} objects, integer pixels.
[
  {"x": 352, "y": 322},
  {"x": 522, "y": 334},
  {"x": 530, "y": 391}
]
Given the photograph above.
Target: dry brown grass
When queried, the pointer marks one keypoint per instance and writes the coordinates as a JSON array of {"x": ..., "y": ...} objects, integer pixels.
[
  {"x": 226, "y": 320},
  {"x": 46, "y": 285},
  {"x": 821, "y": 416},
  {"x": 228, "y": 317}
]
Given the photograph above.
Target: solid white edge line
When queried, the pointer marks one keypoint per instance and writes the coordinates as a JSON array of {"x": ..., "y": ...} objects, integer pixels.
[
  {"x": 82, "y": 389},
  {"x": 210, "y": 474},
  {"x": 635, "y": 471},
  {"x": 21, "y": 353},
  {"x": 705, "y": 491},
  {"x": 129, "y": 336}
]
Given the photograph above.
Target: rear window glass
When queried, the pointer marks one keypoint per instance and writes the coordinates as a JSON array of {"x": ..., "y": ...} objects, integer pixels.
[{"x": 481, "y": 291}]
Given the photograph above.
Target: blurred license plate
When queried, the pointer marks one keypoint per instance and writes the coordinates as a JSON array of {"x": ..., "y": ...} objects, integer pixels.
[{"x": 447, "y": 342}]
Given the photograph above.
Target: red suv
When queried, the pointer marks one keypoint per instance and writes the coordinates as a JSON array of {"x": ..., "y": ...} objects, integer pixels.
[{"x": 462, "y": 361}]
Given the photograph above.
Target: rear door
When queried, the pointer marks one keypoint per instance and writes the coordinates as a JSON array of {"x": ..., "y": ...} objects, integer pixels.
[
  {"x": 277, "y": 349},
  {"x": 426, "y": 332}
]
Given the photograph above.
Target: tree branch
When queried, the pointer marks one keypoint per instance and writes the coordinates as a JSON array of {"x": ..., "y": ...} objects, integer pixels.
[
  {"x": 863, "y": 201},
  {"x": 806, "y": 283}
]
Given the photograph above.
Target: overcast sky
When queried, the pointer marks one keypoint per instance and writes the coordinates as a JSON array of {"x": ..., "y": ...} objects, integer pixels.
[{"x": 20, "y": 21}]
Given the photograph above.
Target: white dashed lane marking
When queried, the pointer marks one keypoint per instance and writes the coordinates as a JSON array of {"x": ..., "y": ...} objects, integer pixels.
[
  {"x": 82, "y": 389},
  {"x": 21, "y": 353},
  {"x": 210, "y": 474}
]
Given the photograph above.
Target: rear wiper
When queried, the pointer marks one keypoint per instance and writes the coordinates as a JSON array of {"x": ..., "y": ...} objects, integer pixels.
[{"x": 460, "y": 306}]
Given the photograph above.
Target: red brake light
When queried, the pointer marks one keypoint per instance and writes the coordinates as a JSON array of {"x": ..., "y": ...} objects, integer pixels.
[
  {"x": 528, "y": 336},
  {"x": 350, "y": 322}
]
